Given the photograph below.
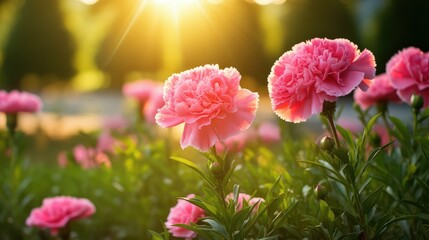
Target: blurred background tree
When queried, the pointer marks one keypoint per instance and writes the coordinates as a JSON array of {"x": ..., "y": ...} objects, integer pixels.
[
  {"x": 104, "y": 43},
  {"x": 38, "y": 44}
]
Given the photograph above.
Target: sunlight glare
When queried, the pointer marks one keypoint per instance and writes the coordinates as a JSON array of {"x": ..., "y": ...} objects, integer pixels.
[
  {"x": 176, "y": 3},
  {"x": 89, "y": 2}
]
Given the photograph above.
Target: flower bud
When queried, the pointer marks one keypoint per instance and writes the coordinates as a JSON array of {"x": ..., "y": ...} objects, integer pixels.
[
  {"x": 215, "y": 168},
  {"x": 327, "y": 143},
  {"x": 320, "y": 191},
  {"x": 416, "y": 102}
]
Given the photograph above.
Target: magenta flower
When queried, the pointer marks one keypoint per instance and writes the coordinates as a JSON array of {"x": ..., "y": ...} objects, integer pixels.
[
  {"x": 242, "y": 197},
  {"x": 210, "y": 102},
  {"x": 408, "y": 71},
  {"x": 380, "y": 91},
  {"x": 316, "y": 71},
  {"x": 15, "y": 101},
  {"x": 140, "y": 90},
  {"x": 183, "y": 213},
  {"x": 56, "y": 212}
]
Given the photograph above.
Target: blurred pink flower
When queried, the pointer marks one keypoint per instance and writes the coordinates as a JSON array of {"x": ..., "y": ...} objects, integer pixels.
[
  {"x": 316, "y": 71},
  {"x": 90, "y": 157},
  {"x": 117, "y": 123},
  {"x": 408, "y": 71},
  {"x": 62, "y": 159},
  {"x": 210, "y": 102},
  {"x": 183, "y": 213},
  {"x": 155, "y": 102},
  {"x": 242, "y": 197},
  {"x": 140, "y": 90},
  {"x": 107, "y": 143},
  {"x": 236, "y": 143},
  {"x": 269, "y": 132},
  {"x": 380, "y": 91},
  {"x": 382, "y": 133},
  {"x": 15, "y": 101},
  {"x": 56, "y": 212}
]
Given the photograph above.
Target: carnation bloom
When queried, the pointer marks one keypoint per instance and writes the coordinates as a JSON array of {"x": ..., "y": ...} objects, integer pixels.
[
  {"x": 15, "y": 101},
  {"x": 380, "y": 91},
  {"x": 56, "y": 212},
  {"x": 313, "y": 72},
  {"x": 269, "y": 132},
  {"x": 242, "y": 197},
  {"x": 210, "y": 102},
  {"x": 408, "y": 71},
  {"x": 140, "y": 90},
  {"x": 183, "y": 213}
]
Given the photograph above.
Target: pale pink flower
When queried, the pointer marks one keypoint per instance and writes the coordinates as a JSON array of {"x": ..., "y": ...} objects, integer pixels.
[
  {"x": 269, "y": 132},
  {"x": 155, "y": 102},
  {"x": 242, "y": 197},
  {"x": 90, "y": 157},
  {"x": 380, "y": 91},
  {"x": 316, "y": 71},
  {"x": 408, "y": 71},
  {"x": 236, "y": 143},
  {"x": 183, "y": 213},
  {"x": 15, "y": 101},
  {"x": 140, "y": 90},
  {"x": 210, "y": 102},
  {"x": 56, "y": 212}
]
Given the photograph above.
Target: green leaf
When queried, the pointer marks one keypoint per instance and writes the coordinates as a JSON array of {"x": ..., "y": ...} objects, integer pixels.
[
  {"x": 156, "y": 236},
  {"x": 217, "y": 227},
  {"x": 372, "y": 199},
  {"x": 192, "y": 166},
  {"x": 402, "y": 130},
  {"x": 383, "y": 228}
]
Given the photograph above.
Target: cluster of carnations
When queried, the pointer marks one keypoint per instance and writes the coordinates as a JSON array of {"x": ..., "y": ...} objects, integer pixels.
[
  {"x": 213, "y": 107},
  {"x": 302, "y": 82}
]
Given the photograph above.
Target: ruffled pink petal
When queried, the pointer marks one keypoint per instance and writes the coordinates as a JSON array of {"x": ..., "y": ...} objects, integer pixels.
[
  {"x": 200, "y": 138},
  {"x": 365, "y": 63},
  {"x": 401, "y": 82},
  {"x": 167, "y": 118},
  {"x": 300, "y": 111},
  {"x": 341, "y": 85}
]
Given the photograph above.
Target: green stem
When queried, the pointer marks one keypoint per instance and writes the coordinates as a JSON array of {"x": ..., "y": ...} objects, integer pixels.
[{"x": 334, "y": 129}]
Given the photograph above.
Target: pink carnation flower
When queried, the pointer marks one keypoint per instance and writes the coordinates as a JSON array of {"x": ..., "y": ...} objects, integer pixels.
[
  {"x": 316, "y": 71},
  {"x": 409, "y": 73},
  {"x": 140, "y": 90},
  {"x": 380, "y": 91},
  {"x": 210, "y": 102},
  {"x": 155, "y": 102},
  {"x": 56, "y": 212},
  {"x": 269, "y": 132},
  {"x": 242, "y": 197},
  {"x": 183, "y": 213},
  {"x": 15, "y": 101}
]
